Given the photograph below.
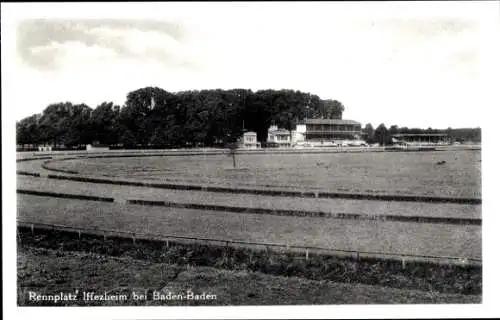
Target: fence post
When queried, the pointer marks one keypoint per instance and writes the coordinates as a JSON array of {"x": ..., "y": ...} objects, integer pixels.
[
  {"x": 227, "y": 256},
  {"x": 166, "y": 243},
  {"x": 307, "y": 254},
  {"x": 32, "y": 230},
  {"x": 403, "y": 263}
]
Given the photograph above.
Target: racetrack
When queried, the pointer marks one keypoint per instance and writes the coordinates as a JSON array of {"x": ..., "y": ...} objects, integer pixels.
[
  {"x": 365, "y": 207},
  {"x": 404, "y": 173},
  {"x": 371, "y": 236},
  {"x": 362, "y": 172}
]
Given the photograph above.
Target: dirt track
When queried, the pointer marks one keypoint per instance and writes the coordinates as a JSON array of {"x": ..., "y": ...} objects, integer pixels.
[
  {"x": 381, "y": 236},
  {"x": 372, "y": 236}
]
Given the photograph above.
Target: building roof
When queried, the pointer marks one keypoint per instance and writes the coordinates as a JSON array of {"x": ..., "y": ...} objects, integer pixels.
[
  {"x": 420, "y": 135},
  {"x": 279, "y": 132},
  {"x": 329, "y": 121}
]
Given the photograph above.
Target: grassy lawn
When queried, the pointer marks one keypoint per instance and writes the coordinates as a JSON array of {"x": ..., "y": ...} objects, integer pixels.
[
  {"x": 366, "y": 207},
  {"x": 371, "y": 236},
  {"x": 387, "y": 172},
  {"x": 47, "y": 271}
]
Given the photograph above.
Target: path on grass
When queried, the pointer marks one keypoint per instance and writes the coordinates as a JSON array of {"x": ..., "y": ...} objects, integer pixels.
[
  {"x": 364, "y": 207},
  {"x": 373, "y": 236}
]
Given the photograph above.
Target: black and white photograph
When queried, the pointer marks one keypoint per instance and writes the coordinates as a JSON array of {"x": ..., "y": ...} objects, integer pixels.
[{"x": 214, "y": 155}]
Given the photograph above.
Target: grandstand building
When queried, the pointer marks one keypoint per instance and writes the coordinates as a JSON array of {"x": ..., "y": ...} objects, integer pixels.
[
  {"x": 331, "y": 129},
  {"x": 315, "y": 131},
  {"x": 421, "y": 138}
]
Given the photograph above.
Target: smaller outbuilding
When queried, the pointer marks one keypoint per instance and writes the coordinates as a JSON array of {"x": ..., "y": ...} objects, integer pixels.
[
  {"x": 249, "y": 140},
  {"x": 97, "y": 147},
  {"x": 44, "y": 148},
  {"x": 280, "y": 137}
]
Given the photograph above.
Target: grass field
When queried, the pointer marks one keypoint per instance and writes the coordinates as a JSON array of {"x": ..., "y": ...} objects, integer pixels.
[
  {"x": 372, "y": 236},
  {"x": 370, "y": 172},
  {"x": 48, "y": 271},
  {"x": 365, "y": 207}
]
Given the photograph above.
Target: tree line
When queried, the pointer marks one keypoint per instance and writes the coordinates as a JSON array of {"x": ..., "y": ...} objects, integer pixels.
[{"x": 153, "y": 117}]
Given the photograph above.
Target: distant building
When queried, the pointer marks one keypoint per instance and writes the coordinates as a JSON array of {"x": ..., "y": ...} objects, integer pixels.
[
  {"x": 250, "y": 140},
  {"x": 45, "y": 148},
  {"x": 299, "y": 134},
  {"x": 421, "y": 138},
  {"x": 330, "y": 129},
  {"x": 96, "y": 146},
  {"x": 322, "y": 131},
  {"x": 280, "y": 137}
]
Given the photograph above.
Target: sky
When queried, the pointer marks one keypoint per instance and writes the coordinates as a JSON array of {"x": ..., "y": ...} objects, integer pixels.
[{"x": 411, "y": 64}]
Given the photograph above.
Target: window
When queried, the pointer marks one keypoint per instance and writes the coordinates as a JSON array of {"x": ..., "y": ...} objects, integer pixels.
[{"x": 283, "y": 138}]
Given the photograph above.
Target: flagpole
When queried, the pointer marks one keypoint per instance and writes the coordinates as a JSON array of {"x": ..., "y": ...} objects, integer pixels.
[{"x": 152, "y": 104}]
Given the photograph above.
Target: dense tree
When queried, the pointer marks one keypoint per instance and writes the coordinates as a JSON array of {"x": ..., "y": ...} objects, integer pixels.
[
  {"x": 65, "y": 124},
  {"x": 163, "y": 120},
  {"x": 136, "y": 117},
  {"x": 259, "y": 112},
  {"x": 226, "y": 116},
  {"x": 466, "y": 134},
  {"x": 53, "y": 123},
  {"x": 105, "y": 124},
  {"x": 394, "y": 129},
  {"x": 78, "y": 129},
  {"x": 382, "y": 135},
  {"x": 404, "y": 130},
  {"x": 369, "y": 133},
  {"x": 331, "y": 109},
  {"x": 416, "y": 131},
  {"x": 27, "y": 130}
]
